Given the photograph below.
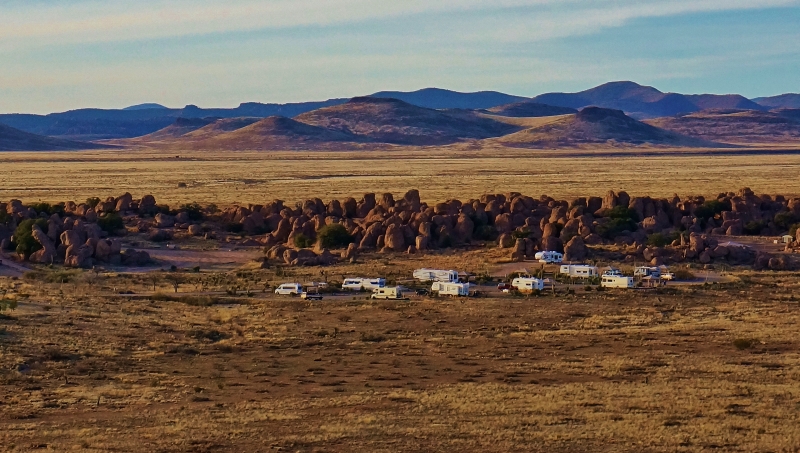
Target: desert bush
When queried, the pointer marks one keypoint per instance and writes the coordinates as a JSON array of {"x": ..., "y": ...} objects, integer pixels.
[
  {"x": 744, "y": 343},
  {"x": 710, "y": 209},
  {"x": 753, "y": 228},
  {"x": 615, "y": 227},
  {"x": 7, "y": 304},
  {"x": 521, "y": 233},
  {"x": 334, "y": 236},
  {"x": 234, "y": 228},
  {"x": 111, "y": 222},
  {"x": 661, "y": 240},
  {"x": 486, "y": 233},
  {"x": 301, "y": 241},
  {"x": 47, "y": 208},
  {"x": 193, "y": 210},
  {"x": 786, "y": 220},
  {"x": 684, "y": 274},
  {"x": 623, "y": 212},
  {"x": 92, "y": 202},
  {"x": 24, "y": 242}
]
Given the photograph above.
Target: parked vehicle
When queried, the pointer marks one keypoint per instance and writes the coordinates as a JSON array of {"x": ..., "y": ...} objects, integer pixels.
[
  {"x": 450, "y": 289},
  {"x": 392, "y": 292},
  {"x": 289, "y": 289},
  {"x": 616, "y": 281},
  {"x": 549, "y": 257},
  {"x": 422, "y": 292},
  {"x": 503, "y": 286},
  {"x": 360, "y": 284},
  {"x": 579, "y": 270},
  {"x": 435, "y": 275},
  {"x": 527, "y": 284},
  {"x": 668, "y": 276},
  {"x": 613, "y": 272},
  {"x": 310, "y": 296}
]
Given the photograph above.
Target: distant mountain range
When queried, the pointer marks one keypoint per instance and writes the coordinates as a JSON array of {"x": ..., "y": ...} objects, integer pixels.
[
  {"x": 430, "y": 116},
  {"x": 16, "y": 140}
]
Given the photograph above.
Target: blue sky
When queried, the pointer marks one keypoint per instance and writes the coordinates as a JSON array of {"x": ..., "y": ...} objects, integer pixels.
[{"x": 57, "y": 55}]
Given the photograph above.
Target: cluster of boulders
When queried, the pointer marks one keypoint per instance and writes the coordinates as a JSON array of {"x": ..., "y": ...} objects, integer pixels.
[{"x": 72, "y": 237}]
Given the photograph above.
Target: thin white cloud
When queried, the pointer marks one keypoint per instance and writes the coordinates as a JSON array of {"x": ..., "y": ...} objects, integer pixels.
[{"x": 109, "y": 20}]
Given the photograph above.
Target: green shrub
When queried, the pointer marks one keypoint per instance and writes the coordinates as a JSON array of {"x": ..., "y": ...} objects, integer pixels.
[
  {"x": 110, "y": 222},
  {"x": 334, "y": 236},
  {"x": 301, "y": 241},
  {"x": 624, "y": 213},
  {"x": 662, "y": 240},
  {"x": 522, "y": 233},
  {"x": 753, "y": 228},
  {"x": 23, "y": 236},
  {"x": 193, "y": 210},
  {"x": 710, "y": 209},
  {"x": 615, "y": 227},
  {"x": 234, "y": 228},
  {"x": 486, "y": 233},
  {"x": 47, "y": 208},
  {"x": 785, "y": 220},
  {"x": 92, "y": 202},
  {"x": 744, "y": 343},
  {"x": 8, "y": 304}
]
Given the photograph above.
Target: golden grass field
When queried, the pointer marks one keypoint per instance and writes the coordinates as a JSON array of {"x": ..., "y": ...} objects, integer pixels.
[
  {"x": 226, "y": 178},
  {"x": 83, "y": 369}
]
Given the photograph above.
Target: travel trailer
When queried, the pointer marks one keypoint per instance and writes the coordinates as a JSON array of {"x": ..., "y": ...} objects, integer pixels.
[
  {"x": 527, "y": 284},
  {"x": 616, "y": 281},
  {"x": 435, "y": 275},
  {"x": 393, "y": 292},
  {"x": 359, "y": 284},
  {"x": 579, "y": 270},
  {"x": 549, "y": 257},
  {"x": 647, "y": 271},
  {"x": 451, "y": 289}
]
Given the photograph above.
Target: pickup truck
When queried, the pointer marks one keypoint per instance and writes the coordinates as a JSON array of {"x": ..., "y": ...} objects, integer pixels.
[
  {"x": 668, "y": 276},
  {"x": 310, "y": 296}
]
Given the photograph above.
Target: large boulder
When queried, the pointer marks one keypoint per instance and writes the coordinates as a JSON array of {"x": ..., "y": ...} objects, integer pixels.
[
  {"x": 131, "y": 257},
  {"x": 164, "y": 220},
  {"x": 552, "y": 244},
  {"x": 395, "y": 240},
  {"x": 575, "y": 250},
  {"x": 462, "y": 232},
  {"x": 79, "y": 256},
  {"x": 518, "y": 252},
  {"x": 47, "y": 254},
  {"x": 505, "y": 241}
]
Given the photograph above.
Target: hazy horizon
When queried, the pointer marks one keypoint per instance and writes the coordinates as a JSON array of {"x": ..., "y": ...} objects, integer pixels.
[{"x": 88, "y": 53}]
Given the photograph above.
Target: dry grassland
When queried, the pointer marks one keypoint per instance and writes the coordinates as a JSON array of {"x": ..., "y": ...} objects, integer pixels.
[
  {"x": 228, "y": 178},
  {"x": 592, "y": 371}
]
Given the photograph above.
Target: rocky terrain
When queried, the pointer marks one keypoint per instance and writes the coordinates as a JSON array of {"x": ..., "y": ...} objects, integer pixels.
[{"x": 658, "y": 231}]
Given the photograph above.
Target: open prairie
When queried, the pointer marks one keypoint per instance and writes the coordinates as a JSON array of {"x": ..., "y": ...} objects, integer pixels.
[
  {"x": 684, "y": 368},
  {"x": 460, "y": 172}
]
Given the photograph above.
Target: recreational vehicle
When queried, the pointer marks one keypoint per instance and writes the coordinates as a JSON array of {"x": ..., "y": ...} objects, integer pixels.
[
  {"x": 579, "y": 270},
  {"x": 393, "y": 292},
  {"x": 616, "y": 281},
  {"x": 451, "y": 289},
  {"x": 647, "y": 271},
  {"x": 549, "y": 257},
  {"x": 360, "y": 284},
  {"x": 612, "y": 272},
  {"x": 289, "y": 289},
  {"x": 435, "y": 275},
  {"x": 526, "y": 284}
]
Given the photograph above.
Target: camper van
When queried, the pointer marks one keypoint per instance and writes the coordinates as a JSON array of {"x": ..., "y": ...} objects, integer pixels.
[
  {"x": 393, "y": 292},
  {"x": 647, "y": 271},
  {"x": 359, "y": 284},
  {"x": 451, "y": 289},
  {"x": 435, "y": 275},
  {"x": 549, "y": 257},
  {"x": 616, "y": 281},
  {"x": 527, "y": 284},
  {"x": 289, "y": 289},
  {"x": 579, "y": 270}
]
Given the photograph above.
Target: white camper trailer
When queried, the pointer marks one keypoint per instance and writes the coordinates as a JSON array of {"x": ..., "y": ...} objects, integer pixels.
[
  {"x": 579, "y": 270},
  {"x": 549, "y": 257},
  {"x": 527, "y": 284},
  {"x": 435, "y": 275},
  {"x": 360, "y": 284},
  {"x": 450, "y": 289},
  {"x": 393, "y": 292},
  {"x": 616, "y": 281},
  {"x": 647, "y": 271}
]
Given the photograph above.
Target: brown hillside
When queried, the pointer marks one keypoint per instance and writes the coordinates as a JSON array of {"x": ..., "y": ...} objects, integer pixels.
[
  {"x": 221, "y": 126},
  {"x": 179, "y": 128},
  {"x": 595, "y": 126},
  {"x": 16, "y": 140},
  {"x": 393, "y": 121},
  {"x": 734, "y": 126}
]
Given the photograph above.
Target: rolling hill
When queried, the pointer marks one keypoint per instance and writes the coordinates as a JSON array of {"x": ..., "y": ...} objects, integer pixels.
[
  {"x": 644, "y": 101},
  {"x": 436, "y": 98},
  {"x": 735, "y": 126},
  {"x": 787, "y": 101},
  {"x": 179, "y": 128},
  {"x": 597, "y": 126},
  {"x": 394, "y": 121},
  {"x": 16, "y": 140},
  {"x": 530, "y": 109}
]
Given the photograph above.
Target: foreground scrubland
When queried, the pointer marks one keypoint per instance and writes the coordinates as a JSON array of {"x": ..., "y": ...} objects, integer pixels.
[{"x": 685, "y": 368}]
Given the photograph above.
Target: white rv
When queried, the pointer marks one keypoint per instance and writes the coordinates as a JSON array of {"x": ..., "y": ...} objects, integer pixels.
[
  {"x": 435, "y": 275},
  {"x": 579, "y": 270},
  {"x": 616, "y": 281},
  {"x": 612, "y": 272},
  {"x": 360, "y": 284},
  {"x": 647, "y": 271},
  {"x": 527, "y": 284},
  {"x": 393, "y": 292},
  {"x": 289, "y": 289},
  {"x": 549, "y": 257},
  {"x": 450, "y": 289}
]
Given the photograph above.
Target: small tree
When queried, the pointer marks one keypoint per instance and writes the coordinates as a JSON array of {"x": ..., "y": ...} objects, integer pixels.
[
  {"x": 111, "y": 222},
  {"x": 301, "y": 241},
  {"x": 92, "y": 202},
  {"x": 334, "y": 236},
  {"x": 23, "y": 237}
]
